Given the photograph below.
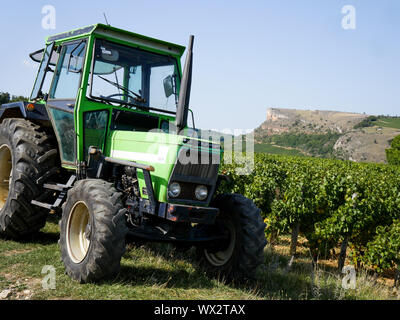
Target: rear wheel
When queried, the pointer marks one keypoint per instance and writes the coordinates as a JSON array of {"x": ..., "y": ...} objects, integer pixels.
[
  {"x": 26, "y": 155},
  {"x": 242, "y": 253},
  {"x": 93, "y": 230}
]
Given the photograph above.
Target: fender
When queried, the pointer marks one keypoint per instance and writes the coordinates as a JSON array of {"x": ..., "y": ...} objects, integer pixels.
[{"x": 19, "y": 110}]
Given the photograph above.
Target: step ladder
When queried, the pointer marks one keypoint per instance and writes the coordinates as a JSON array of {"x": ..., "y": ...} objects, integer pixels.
[{"x": 62, "y": 188}]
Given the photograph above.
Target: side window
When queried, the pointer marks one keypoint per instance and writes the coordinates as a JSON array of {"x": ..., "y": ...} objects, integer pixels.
[
  {"x": 95, "y": 125},
  {"x": 68, "y": 71},
  {"x": 44, "y": 65}
]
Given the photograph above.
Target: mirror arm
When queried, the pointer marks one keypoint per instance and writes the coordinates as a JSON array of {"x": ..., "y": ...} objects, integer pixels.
[{"x": 175, "y": 89}]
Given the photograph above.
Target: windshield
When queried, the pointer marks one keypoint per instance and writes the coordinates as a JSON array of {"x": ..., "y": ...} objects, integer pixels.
[{"x": 123, "y": 74}]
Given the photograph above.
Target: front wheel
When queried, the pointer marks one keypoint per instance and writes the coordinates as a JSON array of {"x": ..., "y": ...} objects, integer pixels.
[
  {"x": 242, "y": 253},
  {"x": 92, "y": 231}
]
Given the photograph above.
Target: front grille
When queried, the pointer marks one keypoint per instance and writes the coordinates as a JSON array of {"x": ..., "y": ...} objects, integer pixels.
[
  {"x": 201, "y": 169},
  {"x": 198, "y": 163}
]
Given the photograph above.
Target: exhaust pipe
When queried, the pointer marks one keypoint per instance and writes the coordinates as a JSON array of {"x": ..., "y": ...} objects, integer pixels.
[{"x": 184, "y": 92}]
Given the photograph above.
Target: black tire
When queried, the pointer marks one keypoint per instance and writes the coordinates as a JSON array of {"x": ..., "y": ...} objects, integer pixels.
[
  {"x": 32, "y": 155},
  {"x": 241, "y": 220},
  {"x": 106, "y": 235}
]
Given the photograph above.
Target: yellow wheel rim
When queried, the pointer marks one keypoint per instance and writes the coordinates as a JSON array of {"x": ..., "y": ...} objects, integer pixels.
[
  {"x": 78, "y": 232},
  {"x": 5, "y": 173}
]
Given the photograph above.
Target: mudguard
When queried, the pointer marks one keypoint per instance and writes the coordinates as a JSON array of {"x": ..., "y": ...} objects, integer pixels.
[{"x": 19, "y": 110}]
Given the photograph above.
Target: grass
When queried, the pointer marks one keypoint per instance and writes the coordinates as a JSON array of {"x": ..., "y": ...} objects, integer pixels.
[
  {"x": 388, "y": 122},
  {"x": 160, "y": 272},
  {"x": 313, "y": 144}
]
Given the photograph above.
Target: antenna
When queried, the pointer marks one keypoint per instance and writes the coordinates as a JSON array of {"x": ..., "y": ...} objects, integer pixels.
[{"x": 106, "y": 18}]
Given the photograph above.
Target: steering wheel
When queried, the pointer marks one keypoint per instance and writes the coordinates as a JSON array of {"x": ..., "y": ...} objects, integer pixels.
[{"x": 121, "y": 95}]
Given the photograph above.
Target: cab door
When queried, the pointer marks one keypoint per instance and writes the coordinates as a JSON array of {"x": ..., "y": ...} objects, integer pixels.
[{"x": 62, "y": 97}]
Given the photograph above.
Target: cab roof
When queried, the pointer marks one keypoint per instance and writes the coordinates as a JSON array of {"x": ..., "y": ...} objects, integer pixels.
[{"x": 112, "y": 32}]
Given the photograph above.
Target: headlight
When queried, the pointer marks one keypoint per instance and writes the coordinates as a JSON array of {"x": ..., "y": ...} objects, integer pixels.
[
  {"x": 201, "y": 193},
  {"x": 174, "y": 190}
]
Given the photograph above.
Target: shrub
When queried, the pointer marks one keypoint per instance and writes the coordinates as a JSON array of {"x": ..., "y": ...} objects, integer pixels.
[
  {"x": 393, "y": 154},
  {"x": 331, "y": 200}
]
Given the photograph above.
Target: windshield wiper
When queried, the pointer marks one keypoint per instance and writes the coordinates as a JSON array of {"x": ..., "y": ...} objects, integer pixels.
[
  {"x": 126, "y": 90},
  {"x": 109, "y": 100}
]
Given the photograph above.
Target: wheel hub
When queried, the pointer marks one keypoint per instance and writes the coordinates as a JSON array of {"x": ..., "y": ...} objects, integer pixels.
[
  {"x": 220, "y": 257},
  {"x": 78, "y": 232},
  {"x": 5, "y": 174}
]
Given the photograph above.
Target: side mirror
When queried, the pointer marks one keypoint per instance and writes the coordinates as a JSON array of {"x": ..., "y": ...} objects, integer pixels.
[{"x": 169, "y": 86}]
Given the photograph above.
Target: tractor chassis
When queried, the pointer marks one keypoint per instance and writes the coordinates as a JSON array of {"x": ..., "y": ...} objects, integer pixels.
[{"x": 162, "y": 222}]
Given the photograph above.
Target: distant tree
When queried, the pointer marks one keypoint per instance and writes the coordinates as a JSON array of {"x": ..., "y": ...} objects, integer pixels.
[
  {"x": 18, "y": 98},
  {"x": 4, "y": 97},
  {"x": 393, "y": 154},
  {"x": 367, "y": 122}
]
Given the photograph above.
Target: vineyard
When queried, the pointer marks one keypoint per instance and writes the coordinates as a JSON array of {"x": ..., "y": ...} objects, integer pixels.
[{"x": 332, "y": 203}]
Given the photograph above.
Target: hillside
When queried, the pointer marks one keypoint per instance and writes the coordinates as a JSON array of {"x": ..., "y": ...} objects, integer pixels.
[
  {"x": 332, "y": 134},
  {"x": 289, "y": 120}
]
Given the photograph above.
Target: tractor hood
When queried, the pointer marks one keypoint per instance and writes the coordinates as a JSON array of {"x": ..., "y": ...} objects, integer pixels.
[
  {"x": 160, "y": 150},
  {"x": 154, "y": 147}
]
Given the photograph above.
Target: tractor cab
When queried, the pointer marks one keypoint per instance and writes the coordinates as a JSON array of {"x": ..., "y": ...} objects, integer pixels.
[{"x": 101, "y": 79}]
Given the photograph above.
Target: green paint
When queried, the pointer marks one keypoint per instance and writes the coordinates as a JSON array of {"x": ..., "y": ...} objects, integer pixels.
[{"x": 147, "y": 145}]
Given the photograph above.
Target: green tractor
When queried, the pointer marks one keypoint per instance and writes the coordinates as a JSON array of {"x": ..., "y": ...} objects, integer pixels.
[{"x": 104, "y": 142}]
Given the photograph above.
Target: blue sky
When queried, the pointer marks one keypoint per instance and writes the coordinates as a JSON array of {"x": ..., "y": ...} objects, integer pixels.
[{"x": 248, "y": 55}]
